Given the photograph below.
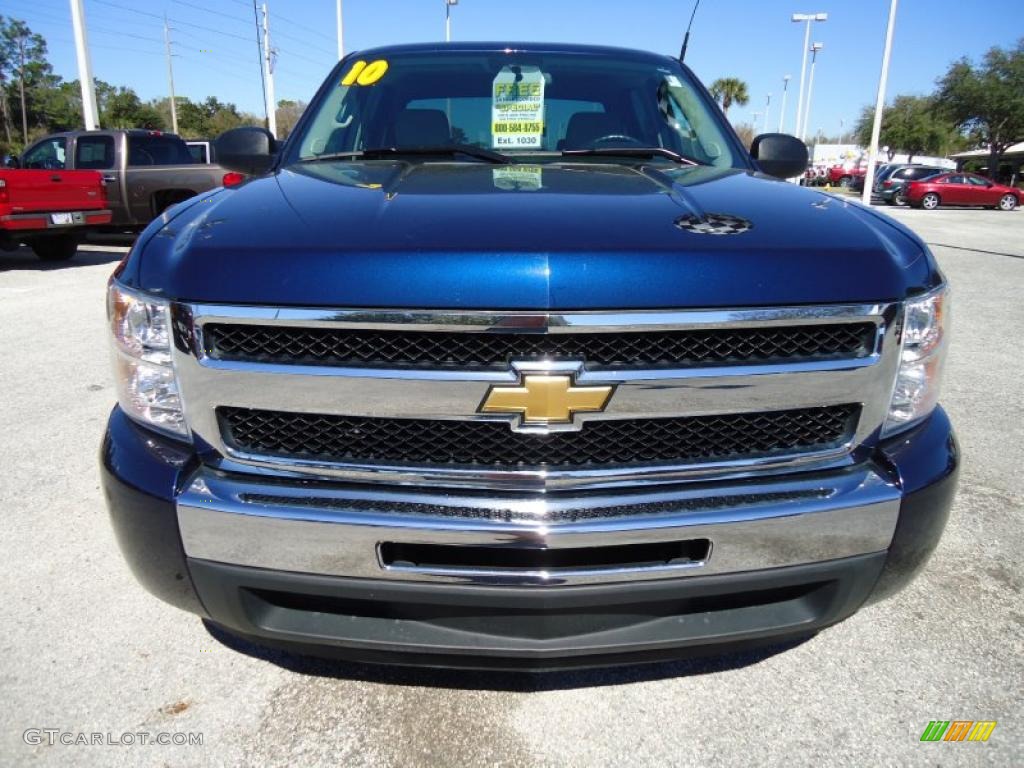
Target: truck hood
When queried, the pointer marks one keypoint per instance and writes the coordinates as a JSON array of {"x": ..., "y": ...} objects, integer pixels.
[{"x": 560, "y": 236}]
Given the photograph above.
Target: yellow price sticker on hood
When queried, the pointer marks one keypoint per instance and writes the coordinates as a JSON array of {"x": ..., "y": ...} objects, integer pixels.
[{"x": 365, "y": 74}]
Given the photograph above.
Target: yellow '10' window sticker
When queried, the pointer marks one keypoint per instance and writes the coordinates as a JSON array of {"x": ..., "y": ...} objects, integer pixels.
[{"x": 365, "y": 74}]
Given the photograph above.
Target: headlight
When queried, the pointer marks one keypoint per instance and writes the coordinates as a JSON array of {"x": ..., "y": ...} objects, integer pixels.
[
  {"x": 925, "y": 334},
  {"x": 147, "y": 388}
]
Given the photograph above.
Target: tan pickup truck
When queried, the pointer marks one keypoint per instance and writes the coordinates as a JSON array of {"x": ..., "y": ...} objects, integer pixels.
[{"x": 145, "y": 171}]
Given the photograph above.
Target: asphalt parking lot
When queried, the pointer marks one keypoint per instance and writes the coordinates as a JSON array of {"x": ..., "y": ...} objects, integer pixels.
[{"x": 87, "y": 650}]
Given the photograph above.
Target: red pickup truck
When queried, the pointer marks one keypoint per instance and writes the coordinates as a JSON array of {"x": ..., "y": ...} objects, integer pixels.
[
  {"x": 50, "y": 210},
  {"x": 844, "y": 176}
]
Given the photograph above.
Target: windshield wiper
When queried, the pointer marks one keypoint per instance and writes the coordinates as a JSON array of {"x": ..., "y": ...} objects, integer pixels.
[
  {"x": 632, "y": 152},
  {"x": 445, "y": 149}
]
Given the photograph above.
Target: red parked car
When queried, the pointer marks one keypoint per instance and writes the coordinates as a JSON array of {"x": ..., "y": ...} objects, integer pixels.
[{"x": 962, "y": 189}]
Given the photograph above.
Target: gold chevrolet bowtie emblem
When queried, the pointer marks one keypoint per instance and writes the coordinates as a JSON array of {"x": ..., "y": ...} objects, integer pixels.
[{"x": 544, "y": 399}]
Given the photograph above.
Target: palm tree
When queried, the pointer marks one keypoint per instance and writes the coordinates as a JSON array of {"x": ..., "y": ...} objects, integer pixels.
[{"x": 729, "y": 91}]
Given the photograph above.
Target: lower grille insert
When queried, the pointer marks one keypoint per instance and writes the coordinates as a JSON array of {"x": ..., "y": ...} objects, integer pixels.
[
  {"x": 492, "y": 444},
  {"x": 479, "y": 558}
]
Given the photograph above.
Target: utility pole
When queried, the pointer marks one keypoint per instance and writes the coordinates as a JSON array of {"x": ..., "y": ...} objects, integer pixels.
[
  {"x": 24, "y": 114},
  {"x": 170, "y": 76},
  {"x": 341, "y": 36},
  {"x": 767, "y": 103},
  {"x": 782, "y": 111},
  {"x": 810, "y": 87},
  {"x": 876, "y": 127},
  {"x": 268, "y": 68},
  {"x": 90, "y": 114}
]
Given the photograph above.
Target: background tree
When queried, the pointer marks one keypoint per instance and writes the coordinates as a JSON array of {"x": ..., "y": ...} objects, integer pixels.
[
  {"x": 288, "y": 114},
  {"x": 206, "y": 119},
  {"x": 728, "y": 91},
  {"x": 24, "y": 70},
  {"x": 987, "y": 100},
  {"x": 911, "y": 124},
  {"x": 746, "y": 132}
]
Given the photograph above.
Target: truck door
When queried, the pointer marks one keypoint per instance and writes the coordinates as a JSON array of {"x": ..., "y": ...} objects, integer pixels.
[
  {"x": 45, "y": 189},
  {"x": 96, "y": 152}
]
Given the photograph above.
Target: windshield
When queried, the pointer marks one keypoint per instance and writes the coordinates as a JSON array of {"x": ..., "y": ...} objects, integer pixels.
[{"x": 515, "y": 103}]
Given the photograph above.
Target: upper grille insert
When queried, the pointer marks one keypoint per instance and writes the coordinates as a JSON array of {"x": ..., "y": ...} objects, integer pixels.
[
  {"x": 292, "y": 345},
  {"x": 491, "y": 444}
]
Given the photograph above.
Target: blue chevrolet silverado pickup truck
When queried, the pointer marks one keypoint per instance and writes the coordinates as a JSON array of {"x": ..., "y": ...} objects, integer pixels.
[{"x": 512, "y": 356}]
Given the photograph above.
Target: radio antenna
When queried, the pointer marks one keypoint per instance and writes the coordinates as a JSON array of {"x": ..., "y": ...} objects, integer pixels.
[{"x": 686, "y": 39}]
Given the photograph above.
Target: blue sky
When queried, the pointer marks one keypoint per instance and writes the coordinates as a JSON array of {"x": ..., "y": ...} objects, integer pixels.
[{"x": 750, "y": 39}]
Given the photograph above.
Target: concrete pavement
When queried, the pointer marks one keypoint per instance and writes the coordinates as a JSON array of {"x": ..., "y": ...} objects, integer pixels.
[{"x": 87, "y": 650}]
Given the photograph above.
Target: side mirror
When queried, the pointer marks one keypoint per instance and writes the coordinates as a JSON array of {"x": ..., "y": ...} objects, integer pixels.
[
  {"x": 247, "y": 150},
  {"x": 779, "y": 154},
  {"x": 10, "y": 161}
]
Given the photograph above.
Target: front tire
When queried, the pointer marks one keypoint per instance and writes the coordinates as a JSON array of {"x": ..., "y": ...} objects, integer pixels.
[
  {"x": 1007, "y": 202},
  {"x": 59, "y": 248},
  {"x": 844, "y": 182},
  {"x": 930, "y": 201}
]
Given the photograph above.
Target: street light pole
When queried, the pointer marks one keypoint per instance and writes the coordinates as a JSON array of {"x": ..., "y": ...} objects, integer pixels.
[
  {"x": 767, "y": 103},
  {"x": 810, "y": 88},
  {"x": 448, "y": 19},
  {"x": 782, "y": 111},
  {"x": 807, "y": 19},
  {"x": 341, "y": 36},
  {"x": 876, "y": 127},
  {"x": 89, "y": 113}
]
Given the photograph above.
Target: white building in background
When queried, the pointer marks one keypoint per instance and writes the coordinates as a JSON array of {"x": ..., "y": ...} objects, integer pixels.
[
  {"x": 853, "y": 156},
  {"x": 1011, "y": 162}
]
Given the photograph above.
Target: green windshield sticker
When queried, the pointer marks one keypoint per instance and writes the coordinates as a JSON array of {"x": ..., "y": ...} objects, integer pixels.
[
  {"x": 519, "y": 178},
  {"x": 517, "y": 114}
]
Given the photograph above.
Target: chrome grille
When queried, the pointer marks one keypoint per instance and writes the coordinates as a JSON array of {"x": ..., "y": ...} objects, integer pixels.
[
  {"x": 634, "y": 349},
  {"x": 393, "y": 396},
  {"x": 491, "y": 444}
]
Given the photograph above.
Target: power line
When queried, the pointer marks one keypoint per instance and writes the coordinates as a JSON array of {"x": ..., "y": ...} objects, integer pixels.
[
  {"x": 176, "y": 21},
  {"x": 208, "y": 10},
  {"x": 285, "y": 35},
  {"x": 52, "y": 19},
  {"x": 128, "y": 8},
  {"x": 298, "y": 56},
  {"x": 69, "y": 41},
  {"x": 311, "y": 30},
  {"x": 303, "y": 41},
  {"x": 211, "y": 31}
]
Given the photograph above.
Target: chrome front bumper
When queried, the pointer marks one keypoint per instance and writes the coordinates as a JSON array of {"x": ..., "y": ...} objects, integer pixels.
[{"x": 332, "y": 530}]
